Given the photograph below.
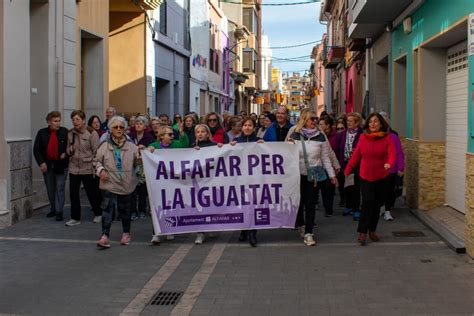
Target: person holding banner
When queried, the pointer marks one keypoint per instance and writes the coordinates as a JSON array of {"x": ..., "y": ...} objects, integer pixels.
[
  {"x": 315, "y": 168},
  {"x": 115, "y": 164},
  {"x": 165, "y": 140},
  {"x": 248, "y": 136},
  {"x": 376, "y": 155},
  {"x": 203, "y": 139}
]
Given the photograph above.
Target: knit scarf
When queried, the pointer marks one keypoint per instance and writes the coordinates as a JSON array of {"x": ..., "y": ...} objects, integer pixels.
[
  {"x": 309, "y": 132},
  {"x": 118, "y": 144},
  {"x": 164, "y": 146},
  {"x": 52, "y": 152},
  {"x": 375, "y": 136}
]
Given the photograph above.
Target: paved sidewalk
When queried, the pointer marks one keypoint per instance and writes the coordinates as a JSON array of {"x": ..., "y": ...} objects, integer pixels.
[{"x": 49, "y": 269}]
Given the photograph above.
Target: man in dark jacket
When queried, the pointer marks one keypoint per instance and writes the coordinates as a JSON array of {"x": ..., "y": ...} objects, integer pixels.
[
  {"x": 50, "y": 154},
  {"x": 279, "y": 129}
]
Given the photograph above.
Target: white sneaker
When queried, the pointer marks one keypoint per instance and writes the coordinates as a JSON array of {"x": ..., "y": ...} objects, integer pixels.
[
  {"x": 97, "y": 219},
  {"x": 169, "y": 237},
  {"x": 382, "y": 210},
  {"x": 301, "y": 231},
  {"x": 387, "y": 216},
  {"x": 308, "y": 240},
  {"x": 73, "y": 222},
  {"x": 155, "y": 240},
  {"x": 199, "y": 239}
]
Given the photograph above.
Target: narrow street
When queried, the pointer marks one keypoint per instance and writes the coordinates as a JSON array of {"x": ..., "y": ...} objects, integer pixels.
[{"x": 57, "y": 270}]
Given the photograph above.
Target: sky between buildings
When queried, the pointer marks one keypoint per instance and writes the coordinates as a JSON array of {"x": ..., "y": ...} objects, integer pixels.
[{"x": 292, "y": 25}]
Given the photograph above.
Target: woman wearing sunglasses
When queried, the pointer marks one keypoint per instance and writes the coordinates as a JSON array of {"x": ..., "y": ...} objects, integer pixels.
[
  {"x": 219, "y": 135},
  {"x": 315, "y": 167},
  {"x": 115, "y": 164},
  {"x": 165, "y": 140}
]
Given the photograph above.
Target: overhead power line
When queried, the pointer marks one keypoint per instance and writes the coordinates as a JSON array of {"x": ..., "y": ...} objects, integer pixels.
[
  {"x": 271, "y": 4},
  {"x": 292, "y": 46}
]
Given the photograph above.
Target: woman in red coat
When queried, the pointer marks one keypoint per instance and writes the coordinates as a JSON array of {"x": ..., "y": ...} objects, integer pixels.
[{"x": 376, "y": 154}]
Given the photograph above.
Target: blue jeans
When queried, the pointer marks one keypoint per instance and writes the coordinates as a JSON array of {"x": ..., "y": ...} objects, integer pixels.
[
  {"x": 109, "y": 201},
  {"x": 55, "y": 185}
]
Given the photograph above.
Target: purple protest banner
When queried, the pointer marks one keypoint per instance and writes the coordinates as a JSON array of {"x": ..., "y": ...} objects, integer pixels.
[{"x": 246, "y": 186}]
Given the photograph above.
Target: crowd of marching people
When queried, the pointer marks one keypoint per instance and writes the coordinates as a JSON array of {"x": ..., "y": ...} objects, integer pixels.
[{"x": 361, "y": 159}]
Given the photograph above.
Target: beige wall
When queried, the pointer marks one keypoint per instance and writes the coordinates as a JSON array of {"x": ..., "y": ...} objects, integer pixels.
[
  {"x": 127, "y": 84},
  {"x": 93, "y": 17}
]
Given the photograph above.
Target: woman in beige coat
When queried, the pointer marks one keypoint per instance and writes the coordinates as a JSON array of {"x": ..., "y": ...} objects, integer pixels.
[
  {"x": 115, "y": 164},
  {"x": 82, "y": 143}
]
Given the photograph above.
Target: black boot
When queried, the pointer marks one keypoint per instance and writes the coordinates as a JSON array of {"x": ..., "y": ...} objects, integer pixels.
[
  {"x": 51, "y": 214},
  {"x": 253, "y": 238},
  {"x": 243, "y": 235}
]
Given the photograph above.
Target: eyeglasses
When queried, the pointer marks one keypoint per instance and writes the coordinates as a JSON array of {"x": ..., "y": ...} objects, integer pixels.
[
  {"x": 212, "y": 120},
  {"x": 177, "y": 117},
  {"x": 340, "y": 128},
  {"x": 118, "y": 127},
  {"x": 313, "y": 118},
  {"x": 169, "y": 134}
]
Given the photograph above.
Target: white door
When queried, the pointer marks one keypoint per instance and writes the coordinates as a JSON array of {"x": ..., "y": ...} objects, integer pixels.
[{"x": 456, "y": 126}]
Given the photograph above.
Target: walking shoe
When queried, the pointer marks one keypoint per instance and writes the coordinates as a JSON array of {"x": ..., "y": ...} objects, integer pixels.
[
  {"x": 346, "y": 212},
  {"x": 59, "y": 217},
  {"x": 387, "y": 216},
  {"x": 199, "y": 239},
  {"x": 134, "y": 216},
  {"x": 125, "y": 241},
  {"x": 253, "y": 240},
  {"x": 356, "y": 216},
  {"x": 104, "y": 242},
  {"x": 373, "y": 236},
  {"x": 301, "y": 231},
  {"x": 169, "y": 237},
  {"x": 51, "y": 214},
  {"x": 73, "y": 222},
  {"x": 362, "y": 239},
  {"x": 309, "y": 240},
  {"x": 142, "y": 215},
  {"x": 328, "y": 215},
  {"x": 97, "y": 219},
  {"x": 155, "y": 240},
  {"x": 243, "y": 235}
]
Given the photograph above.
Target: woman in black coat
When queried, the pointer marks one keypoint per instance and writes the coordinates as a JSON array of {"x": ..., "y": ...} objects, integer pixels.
[
  {"x": 248, "y": 135},
  {"x": 50, "y": 154}
]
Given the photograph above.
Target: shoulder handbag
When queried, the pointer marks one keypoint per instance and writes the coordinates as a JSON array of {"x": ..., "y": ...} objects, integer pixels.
[{"x": 314, "y": 174}]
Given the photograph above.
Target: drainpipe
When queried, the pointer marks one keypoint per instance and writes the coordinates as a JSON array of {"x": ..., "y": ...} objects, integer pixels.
[{"x": 367, "y": 74}]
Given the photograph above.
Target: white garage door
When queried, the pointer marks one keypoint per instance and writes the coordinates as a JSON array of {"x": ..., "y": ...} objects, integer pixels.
[{"x": 456, "y": 126}]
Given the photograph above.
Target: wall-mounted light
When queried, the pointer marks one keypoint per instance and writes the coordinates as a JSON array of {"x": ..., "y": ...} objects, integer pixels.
[{"x": 407, "y": 25}]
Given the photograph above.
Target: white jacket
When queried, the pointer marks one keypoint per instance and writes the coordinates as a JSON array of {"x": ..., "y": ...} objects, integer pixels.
[{"x": 318, "y": 151}]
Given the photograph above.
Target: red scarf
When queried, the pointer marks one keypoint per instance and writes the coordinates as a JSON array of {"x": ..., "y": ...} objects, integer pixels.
[
  {"x": 375, "y": 136},
  {"x": 52, "y": 152}
]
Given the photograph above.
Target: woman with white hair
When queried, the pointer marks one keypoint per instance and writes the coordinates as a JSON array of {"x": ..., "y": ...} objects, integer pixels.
[
  {"x": 141, "y": 138},
  {"x": 115, "y": 164}
]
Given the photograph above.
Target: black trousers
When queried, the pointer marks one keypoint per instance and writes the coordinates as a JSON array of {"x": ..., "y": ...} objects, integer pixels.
[
  {"x": 341, "y": 179},
  {"x": 391, "y": 194},
  {"x": 328, "y": 190},
  {"x": 122, "y": 203},
  {"x": 353, "y": 194},
  {"x": 91, "y": 186},
  {"x": 140, "y": 194},
  {"x": 373, "y": 197},
  {"x": 306, "y": 210}
]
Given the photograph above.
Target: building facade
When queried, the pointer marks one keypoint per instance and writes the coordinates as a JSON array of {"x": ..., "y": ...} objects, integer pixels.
[
  {"x": 172, "y": 56},
  {"x": 60, "y": 64}
]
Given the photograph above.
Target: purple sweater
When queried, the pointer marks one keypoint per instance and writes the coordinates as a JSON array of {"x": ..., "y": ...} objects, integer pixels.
[{"x": 400, "y": 162}]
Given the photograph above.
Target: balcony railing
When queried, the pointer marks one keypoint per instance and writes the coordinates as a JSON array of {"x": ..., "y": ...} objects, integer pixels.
[
  {"x": 149, "y": 4},
  {"x": 334, "y": 56}
]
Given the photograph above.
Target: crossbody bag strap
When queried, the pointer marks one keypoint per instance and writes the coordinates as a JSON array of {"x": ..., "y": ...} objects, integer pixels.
[{"x": 305, "y": 154}]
